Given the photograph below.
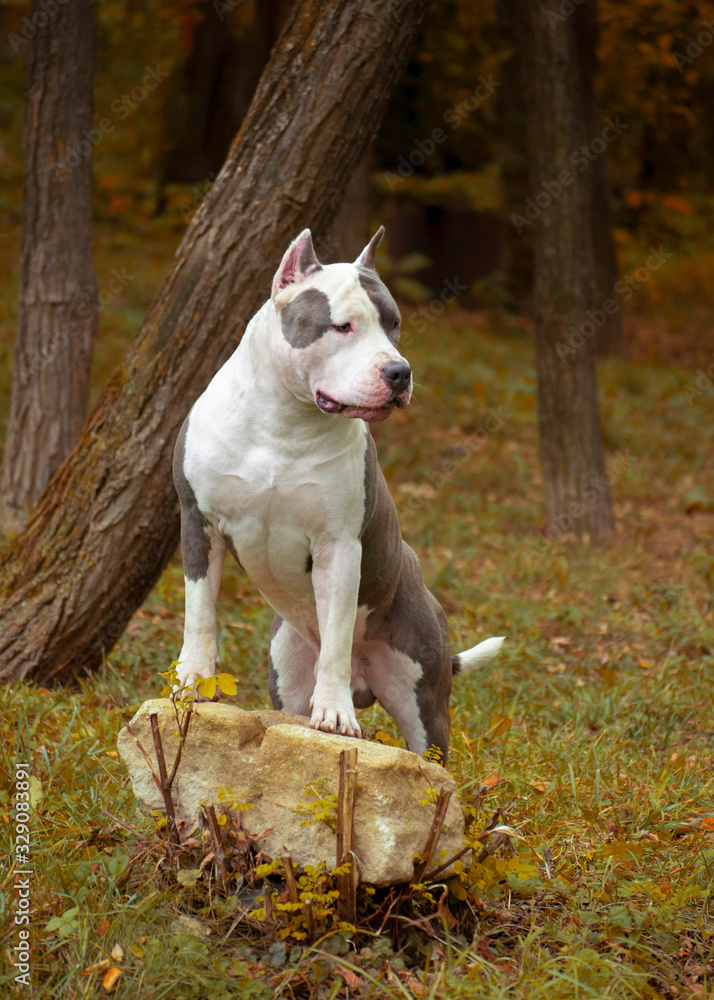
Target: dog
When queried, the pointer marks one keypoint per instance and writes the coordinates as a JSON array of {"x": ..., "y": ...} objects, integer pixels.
[{"x": 276, "y": 463}]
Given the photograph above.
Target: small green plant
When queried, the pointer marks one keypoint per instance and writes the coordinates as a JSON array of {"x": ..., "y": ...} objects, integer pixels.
[
  {"x": 311, "y": 912},
  {"x": 434, "y": 754},
  {"x": 318, "y": 804},
  {"x": 225, "y": 795},
  {"x": 205, "y": 688}
]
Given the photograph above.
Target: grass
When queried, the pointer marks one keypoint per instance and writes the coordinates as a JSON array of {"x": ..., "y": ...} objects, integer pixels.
[{"x": 592, "y": 732}]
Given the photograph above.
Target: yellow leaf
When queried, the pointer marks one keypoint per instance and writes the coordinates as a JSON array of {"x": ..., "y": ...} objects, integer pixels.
[
  {"x": 434, "y": 754},
  {"x": 36, "y": 793},
  {"x": 207, "y": 687},
  {"x": 221, "y": 820},
  {"x": 499, "y": 725},
  {"x": 227, "y": 684},
  {"x": 97, "y": 967},
  {"x": 385, "y": 738},
  {"x": 111, "y": 978}
]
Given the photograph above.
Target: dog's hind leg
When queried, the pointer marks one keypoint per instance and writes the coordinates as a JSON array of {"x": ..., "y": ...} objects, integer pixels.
[
  {"x": 291, "y": 679},
  {"x": 421, "y": 713}
]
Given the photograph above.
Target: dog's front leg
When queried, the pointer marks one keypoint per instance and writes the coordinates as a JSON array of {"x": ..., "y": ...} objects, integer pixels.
[
  {"x": 335, "y": 582},
  {"x": 204, "y": 554}
]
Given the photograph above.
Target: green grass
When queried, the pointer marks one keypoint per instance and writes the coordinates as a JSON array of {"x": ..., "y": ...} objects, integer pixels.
[{"x": 594, "y": 727}]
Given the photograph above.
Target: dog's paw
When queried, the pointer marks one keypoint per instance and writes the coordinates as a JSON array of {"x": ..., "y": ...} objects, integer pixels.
[
  {"x": 190, "y": 688},
  {"x": 335, "y": 720}
]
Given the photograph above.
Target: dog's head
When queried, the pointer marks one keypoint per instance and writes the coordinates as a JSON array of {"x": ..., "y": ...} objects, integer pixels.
[{"x": 338, "y": 333}]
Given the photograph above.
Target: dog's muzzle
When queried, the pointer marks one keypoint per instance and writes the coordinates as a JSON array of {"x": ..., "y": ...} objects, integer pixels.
[{"x": 397, "y": 376}]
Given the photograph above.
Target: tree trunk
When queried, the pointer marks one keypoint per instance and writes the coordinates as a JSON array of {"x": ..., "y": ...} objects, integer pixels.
[
  {"x": 576, "y": 486},
  {"x": 609, "y": 336},
  {"x": 58, "y": 288},
  {"x": 108, "y": 522},
  {"x": 351, "y": 229},
  {"x": 209, "y": 96}
]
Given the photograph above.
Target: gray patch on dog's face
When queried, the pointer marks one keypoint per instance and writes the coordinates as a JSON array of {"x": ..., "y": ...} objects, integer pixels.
[
  {"x": 195, "y": 543},
  {"x": 306, "y": 318},
  {"x": 383, "y": 302}
]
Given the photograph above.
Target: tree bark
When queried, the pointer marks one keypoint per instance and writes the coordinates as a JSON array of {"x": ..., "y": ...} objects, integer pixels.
[
  {"x": 108, "y": 522},
  {"x": 609, "y": 336},
  {"x": 350, "y": 231},
  {"x": 210, "y": 94},
  {"x": 576, "y": 486},
  {"x": 58, "y": 289}
]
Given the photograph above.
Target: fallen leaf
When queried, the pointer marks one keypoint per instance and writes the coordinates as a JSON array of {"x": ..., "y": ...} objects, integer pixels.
[
  {"x": 351, "y": 979},
  {"x": 111, "y": 978},
  {"x": 483, "y": 949},
  {"x": 415, "y": 985},
  {"x": 445, "y": 913},
  {"x": 97, "y": 967},
  {"x": 498, "y": 725},
  {"x": 117, "y": 952}
]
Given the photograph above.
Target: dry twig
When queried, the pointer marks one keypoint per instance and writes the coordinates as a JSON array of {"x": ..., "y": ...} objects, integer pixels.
[{"x": 347, "y": 882}]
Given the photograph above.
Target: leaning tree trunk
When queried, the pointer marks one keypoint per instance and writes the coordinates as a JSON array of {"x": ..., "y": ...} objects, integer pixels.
[
  {"x": 58, "y": 288},
  {"x": 108, "y": 522},
  {"x": 576, "y": 487}
]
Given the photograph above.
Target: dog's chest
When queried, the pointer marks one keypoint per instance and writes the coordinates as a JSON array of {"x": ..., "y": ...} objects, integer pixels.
[{"x": 276, "y": 502}]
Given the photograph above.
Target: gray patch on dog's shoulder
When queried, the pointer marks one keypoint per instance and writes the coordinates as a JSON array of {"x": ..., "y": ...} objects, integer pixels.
[
  {"x": 381, "y": 298},
  {"x": 306, "y": 318},
  {"x": 380, "y": 536},
  {"x": 195, "y": 543}
]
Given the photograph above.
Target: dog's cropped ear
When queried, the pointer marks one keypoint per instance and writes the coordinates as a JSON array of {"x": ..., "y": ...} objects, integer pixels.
[
  {"x": 366, "y": 258},
  {"x": 298, "y": 262}
]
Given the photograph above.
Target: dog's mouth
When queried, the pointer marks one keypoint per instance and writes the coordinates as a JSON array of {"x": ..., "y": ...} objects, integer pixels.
[{"x": 370, "y": 413}]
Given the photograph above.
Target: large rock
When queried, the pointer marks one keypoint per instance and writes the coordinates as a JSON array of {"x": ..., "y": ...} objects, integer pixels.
[{"x": 275, "y": 762}]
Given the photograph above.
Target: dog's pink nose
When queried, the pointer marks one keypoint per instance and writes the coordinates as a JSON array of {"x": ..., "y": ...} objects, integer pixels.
[{"x": 398, "y": 375}]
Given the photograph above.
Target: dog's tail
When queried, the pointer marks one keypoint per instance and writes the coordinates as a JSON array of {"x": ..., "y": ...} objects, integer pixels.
[{"x": 462, "y": 663}]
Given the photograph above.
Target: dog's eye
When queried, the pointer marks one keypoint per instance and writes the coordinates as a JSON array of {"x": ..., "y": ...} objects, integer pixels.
[
  {"x": 342, "y": 327},
  {"x": 395, "y": 324}
]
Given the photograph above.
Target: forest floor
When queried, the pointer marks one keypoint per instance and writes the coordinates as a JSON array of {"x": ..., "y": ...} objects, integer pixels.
[{"x": 592, "y": 733}]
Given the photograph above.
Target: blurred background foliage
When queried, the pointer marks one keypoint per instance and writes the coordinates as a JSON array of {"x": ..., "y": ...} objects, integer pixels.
[
  {"x": 653, "y": 74},
  {"x": 447, "y": 202}
]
